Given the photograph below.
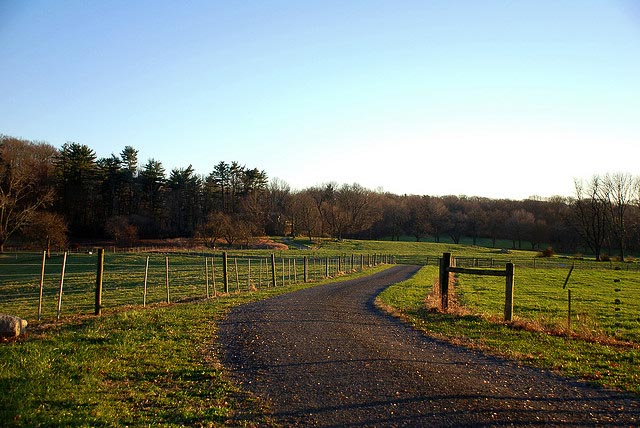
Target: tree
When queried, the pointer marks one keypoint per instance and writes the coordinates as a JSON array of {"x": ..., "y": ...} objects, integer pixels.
[
  {"x": 221, "y": 178},
  {"x": 358, "y": 207},
  {"x": 184, "y": 198},
  {"x": 129, "y": 174},
  {"x": 47, "y": 230},
  {"x": 305, "y": 216},
  {"x": 214, "y": 228},
  {"x": 77, "y": 182},
  {"x": 590, "y": 214},
  {"x": 25, "y": 183},
  {"x": 438, "y": 215},
  {"x": 123, "y": 232},
  {"x": 618, "y": 193},
  {"x": 520, "y": 225},
  {"x": 152, "y": 201}
]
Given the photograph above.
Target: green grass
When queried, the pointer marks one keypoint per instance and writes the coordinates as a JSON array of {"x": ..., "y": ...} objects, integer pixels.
[
  {"x": 594, "y": 361},
  {"x": 139, "y": 367}
]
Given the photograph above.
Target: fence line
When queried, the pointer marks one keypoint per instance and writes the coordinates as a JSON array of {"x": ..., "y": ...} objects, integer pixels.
[{"x": 142, "y": 279}]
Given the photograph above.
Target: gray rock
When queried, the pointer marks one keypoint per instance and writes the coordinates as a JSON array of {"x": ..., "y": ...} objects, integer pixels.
[{"x": 12, "y": 326}]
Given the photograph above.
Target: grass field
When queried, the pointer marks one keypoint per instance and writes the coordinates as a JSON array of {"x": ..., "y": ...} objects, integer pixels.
[{"x": 140, "y": 366}]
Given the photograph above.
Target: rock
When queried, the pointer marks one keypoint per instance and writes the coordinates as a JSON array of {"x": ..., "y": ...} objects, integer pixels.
[{"x": 11, "y": 326}]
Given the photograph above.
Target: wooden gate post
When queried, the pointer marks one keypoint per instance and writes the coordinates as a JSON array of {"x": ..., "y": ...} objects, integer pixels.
[
  {"x": 306, "y": 269},
  {"x": 508, "y": 295},
  {"x": 445, "y": 263}
]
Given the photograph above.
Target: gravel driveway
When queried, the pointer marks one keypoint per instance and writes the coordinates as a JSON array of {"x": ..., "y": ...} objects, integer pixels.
[{"x": 325, "y": 356}]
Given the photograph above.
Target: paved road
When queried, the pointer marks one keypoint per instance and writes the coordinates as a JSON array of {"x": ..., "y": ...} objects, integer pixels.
[{"x": 325, "y": 356}]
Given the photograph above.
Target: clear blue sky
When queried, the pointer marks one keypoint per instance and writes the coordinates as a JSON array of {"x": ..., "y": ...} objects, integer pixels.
[{"x": 504, "y": 99}]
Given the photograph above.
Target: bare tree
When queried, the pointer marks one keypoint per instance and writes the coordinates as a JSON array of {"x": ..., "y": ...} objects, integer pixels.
[
  {"x": 591, "y": 216},
  {"x": 305, "y": 214},
  {"x": 619, "y": 191},
  {"x": 25, "y": 175},
  {"x": 214, "y": 228},
  {"x": 47, "y": 230}
]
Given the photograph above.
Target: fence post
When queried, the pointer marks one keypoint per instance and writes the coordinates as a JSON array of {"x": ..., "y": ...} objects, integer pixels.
[
  {"x": 166, "y": 279},
  {"x": 273, "y": 270},
  {"x": 569, "y": 310},
  {"x": 306, "y": 269},
  {"x": 249, "y": 274},
  {"x": 213, "y": 276},
  {"x": 146, "y": 276},
  {"x": 44, "y": 258},
  {"x": 326, "y": 268},
  {"x": 64, "y": 265},
  {"x": 445, "y": 263},
  {"x": 235, "y": 263},
  {"x": 225, "y": 272},
  {"x": 508, "y": 295},
  {"x": 99, "y": 273},
  {"x": 206, "y": 274}
]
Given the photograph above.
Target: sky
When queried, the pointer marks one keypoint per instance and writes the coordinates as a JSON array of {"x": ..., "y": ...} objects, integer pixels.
[{"x": 498, "y": 99}]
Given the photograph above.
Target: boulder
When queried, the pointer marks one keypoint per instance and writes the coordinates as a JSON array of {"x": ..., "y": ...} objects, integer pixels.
[{"x": 11, "y": 326}]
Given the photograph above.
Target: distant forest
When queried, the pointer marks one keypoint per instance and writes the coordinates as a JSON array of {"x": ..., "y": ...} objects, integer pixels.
[{"x": 50, "y": 196}]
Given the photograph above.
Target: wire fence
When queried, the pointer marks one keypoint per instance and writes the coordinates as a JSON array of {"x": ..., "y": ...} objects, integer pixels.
[
  {"x": 592, "y": 299},
  {"x": 35, "y": 287}
]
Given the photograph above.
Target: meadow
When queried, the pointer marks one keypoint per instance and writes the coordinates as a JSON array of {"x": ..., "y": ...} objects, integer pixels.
[{"x": 157, "y": 365}]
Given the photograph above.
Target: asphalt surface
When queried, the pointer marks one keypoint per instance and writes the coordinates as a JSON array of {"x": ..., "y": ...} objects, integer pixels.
[{"x": 325, "y": 356}]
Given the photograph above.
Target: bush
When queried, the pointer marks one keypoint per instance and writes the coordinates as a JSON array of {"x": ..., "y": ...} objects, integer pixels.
[{"x": 547, "y": 252}]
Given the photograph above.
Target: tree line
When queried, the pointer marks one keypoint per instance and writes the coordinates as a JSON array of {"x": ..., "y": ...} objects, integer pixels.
[{"x": 49, "y": 194}]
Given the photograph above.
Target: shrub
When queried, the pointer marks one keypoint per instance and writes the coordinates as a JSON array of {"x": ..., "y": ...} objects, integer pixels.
[{"x": 548, "y": 252}]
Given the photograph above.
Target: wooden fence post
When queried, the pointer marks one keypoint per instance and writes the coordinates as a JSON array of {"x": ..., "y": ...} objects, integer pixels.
[
  {"x": 99, "y": 273},
  {"x": 166, "y": 279},
  {"x": 273, "y": 270},
  {"x": 235, "y": 263},
  {"x": 569, "y": 310},
  {"x": 64, "y": 265},
  {"x": 508, "y": 298},
  {"x": 306, "y": 269},
  {"x": 213, "y": 276},
  {"x": 225, "y": 272},
  {"x": 445, "y": 263},
  {"x": 44, "y": 258},
  {"x": 146, "y": 276},
  {"x": 249, "y": 274},
  {"x": 206, "y": 274}
]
